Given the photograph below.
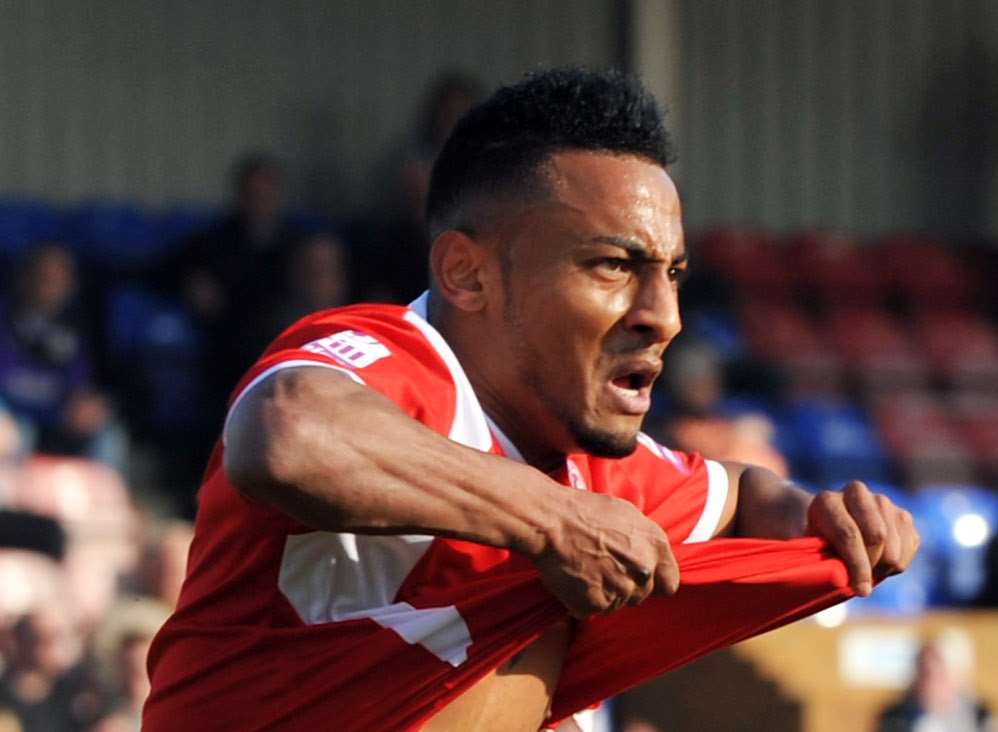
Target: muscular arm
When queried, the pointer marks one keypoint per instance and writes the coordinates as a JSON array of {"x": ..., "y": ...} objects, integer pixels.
[
  {"x": 338, "y": 456},
  {"x": 873, "y": 537}
]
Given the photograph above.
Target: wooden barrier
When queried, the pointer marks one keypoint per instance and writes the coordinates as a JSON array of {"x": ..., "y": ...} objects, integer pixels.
[
  {"x": 810, "y": 678},
  {"x": 844, "y": 676}
]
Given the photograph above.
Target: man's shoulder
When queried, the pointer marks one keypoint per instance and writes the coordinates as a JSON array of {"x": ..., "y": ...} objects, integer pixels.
[
  {"x": 648, "y": 455},
  {"x": 379, "y": 341},
  {"x": 370, "y": 323}
]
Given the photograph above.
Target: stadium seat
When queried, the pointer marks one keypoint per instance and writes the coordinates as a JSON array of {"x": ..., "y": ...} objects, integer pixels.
[
  {"x": 923, "y": 270},
  {"x": 788, "y": 338},
  {"x": 877, "y": 349},
  {"x": 961, "y": 346},
  {"x": 92, "y": 503},
  {"x": 836, "y": 268},
  {"x": 182, "y": 221},
  {"x": 118, "y": 236},
  {"x": 155, "y": 348},
  {"x": 955, "y": 523},
  {"x": 750, "y": 259},
  {"x": 906, "y": 594},
  {"x": 24, "y": 223},
  {"x": 976, "y": 418},
  {"x": 830, "y": 442},
  {"x": 919, "y": 431}
]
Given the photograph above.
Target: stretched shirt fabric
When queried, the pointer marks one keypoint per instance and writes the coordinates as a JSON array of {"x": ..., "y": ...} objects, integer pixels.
[{"x": 281, "y": 627}]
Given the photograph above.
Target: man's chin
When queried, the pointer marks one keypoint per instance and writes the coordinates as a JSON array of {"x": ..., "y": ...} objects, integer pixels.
[{"x": 603, "y": 443}]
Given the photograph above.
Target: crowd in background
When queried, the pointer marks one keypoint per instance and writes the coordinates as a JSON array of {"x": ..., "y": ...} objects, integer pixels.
[
  {"x": 127, "y": 419},
  {"x": 104, "y": 432}
]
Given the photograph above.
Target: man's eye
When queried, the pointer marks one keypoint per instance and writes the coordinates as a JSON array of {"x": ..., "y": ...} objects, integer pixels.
[
  {"x": 678, "y": 274},
  {"x": 614, "y": 265}
]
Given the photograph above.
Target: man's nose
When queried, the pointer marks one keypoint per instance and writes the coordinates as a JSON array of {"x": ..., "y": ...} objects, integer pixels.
[{"x": 654, "y": 314}]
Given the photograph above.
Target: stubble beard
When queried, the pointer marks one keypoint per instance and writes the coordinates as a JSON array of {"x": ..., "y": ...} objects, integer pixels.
[{"x": 530, "y": 370}]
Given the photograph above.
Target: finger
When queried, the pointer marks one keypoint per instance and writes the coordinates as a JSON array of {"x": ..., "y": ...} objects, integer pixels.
[
  {"x": 667, "y": 574},
  {"x": 644, "y": 584},
  {"x": 830, "y": 520},
  {"x": 910, "y": 540},
  {"x": 891, "y": 559},
  {"x": 862, "y": 505}
]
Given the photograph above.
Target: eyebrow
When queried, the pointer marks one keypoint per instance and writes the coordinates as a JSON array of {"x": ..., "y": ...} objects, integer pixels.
[{"x": 637, "y": 250}]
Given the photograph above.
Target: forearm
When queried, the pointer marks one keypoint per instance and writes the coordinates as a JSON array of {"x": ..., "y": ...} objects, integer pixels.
[
  {"x": 767, "y": 506},
  {"x": 339, "y": 457}
]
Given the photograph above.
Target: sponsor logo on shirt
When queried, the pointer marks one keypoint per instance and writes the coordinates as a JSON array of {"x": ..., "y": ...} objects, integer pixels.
[{"x": 350, "y": 347}]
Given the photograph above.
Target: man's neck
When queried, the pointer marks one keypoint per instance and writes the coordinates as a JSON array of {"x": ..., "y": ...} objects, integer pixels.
[{"x": 491, "y": 398}]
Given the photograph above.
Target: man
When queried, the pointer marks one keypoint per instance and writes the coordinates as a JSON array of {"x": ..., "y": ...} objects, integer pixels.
[{"x": 353, "y": 568}]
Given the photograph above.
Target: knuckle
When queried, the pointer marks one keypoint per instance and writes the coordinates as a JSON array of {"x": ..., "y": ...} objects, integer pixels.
[
  {"x": 877, "y": 535},
  {"x": 826, "y": 497},
  {"x": 846, "y": 536}
]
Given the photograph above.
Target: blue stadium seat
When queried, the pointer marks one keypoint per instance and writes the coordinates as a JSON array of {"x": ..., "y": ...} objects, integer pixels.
[
  {"x": 24, "y": 223},
  {"x": 115, "y": 235},
  {"x": 906, "y": 594},
  {"x": 182, "y": 221},
  {"x": 156, "y": 349},
  {"x": 831, "y": 442},
  {"x": 955, "y": 523},
  {"x": 311, "y": 222}
]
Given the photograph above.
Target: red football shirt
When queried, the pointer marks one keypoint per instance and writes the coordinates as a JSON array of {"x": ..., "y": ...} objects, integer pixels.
[{"x": 281, "y": 627}]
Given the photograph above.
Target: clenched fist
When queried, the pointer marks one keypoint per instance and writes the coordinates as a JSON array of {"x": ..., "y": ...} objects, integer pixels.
[{"x": 603, "y": 554}]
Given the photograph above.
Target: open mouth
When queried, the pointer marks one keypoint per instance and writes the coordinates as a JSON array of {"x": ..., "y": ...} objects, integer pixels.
[
  {"x": 630, "y": 386},
  {"x": 633, "y": 382}
]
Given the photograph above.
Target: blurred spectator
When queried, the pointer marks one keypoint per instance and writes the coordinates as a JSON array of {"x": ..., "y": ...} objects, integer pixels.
[
  {"x": 696, "y": 419},
  {"x": 229, "y": 273},
  {"x": 121, "y": 647},
  {"x": 938, "y": 699},
  {"x": 316, "y": 277},
  {"x": 11, "y": 444},
  {"x": 163, "y": 563},
  {"x": 44, "y": 682},
  {"x": 392, "y": 263},
  {"x": 45, "y": 363}
]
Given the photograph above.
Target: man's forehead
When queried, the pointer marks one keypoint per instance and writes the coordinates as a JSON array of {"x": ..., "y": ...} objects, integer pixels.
[
  {"x": 622, "y": 200},
  {"x": 572, "y": 173}
]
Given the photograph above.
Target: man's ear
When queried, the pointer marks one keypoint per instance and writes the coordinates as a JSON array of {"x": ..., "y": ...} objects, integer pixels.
[{"x": 457, "y": 262}]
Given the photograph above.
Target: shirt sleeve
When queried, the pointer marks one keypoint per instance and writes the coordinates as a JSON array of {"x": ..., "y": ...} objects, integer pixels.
[{"x": 380, "y": 351}]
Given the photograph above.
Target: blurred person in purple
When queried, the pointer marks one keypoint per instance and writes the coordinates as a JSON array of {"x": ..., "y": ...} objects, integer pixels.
[{"x": 46, "y": 375}]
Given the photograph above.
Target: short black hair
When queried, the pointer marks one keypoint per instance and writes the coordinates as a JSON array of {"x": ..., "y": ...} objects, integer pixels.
[{"x": 498, "y": 147}]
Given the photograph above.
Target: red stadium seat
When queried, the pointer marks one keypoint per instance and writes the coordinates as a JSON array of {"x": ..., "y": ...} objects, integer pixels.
[
  {"x": 752, "y": 260},
  {"x": 977, "y": 421},
  {"x": 788, "y": 338},
  {"x": 924, "y": 440},
  {"x": 877, "y": 348},
  {"x": 837, "y": 268},
  {"x": 923, "y": 270},
  {"x": 92, "y": 503},
  {"x": 961, "y": 346}
]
